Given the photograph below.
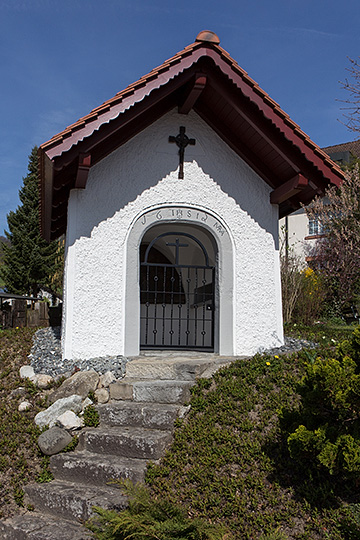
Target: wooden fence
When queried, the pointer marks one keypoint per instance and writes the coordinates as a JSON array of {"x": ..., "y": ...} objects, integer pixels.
[{"x": 19, "y": 314}]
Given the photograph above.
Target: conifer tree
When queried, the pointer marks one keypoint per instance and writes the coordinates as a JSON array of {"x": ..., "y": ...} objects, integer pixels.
[{"x": 29, "y": 261}]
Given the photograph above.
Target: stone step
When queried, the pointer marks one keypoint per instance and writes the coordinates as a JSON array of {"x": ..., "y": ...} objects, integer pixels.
[
  {"x": 148, "y": 415},
  {"x": 126, "y": 442},
  {"x": 35, "y": 526},
  {"x": 176, "y": 368},
  {"x": 151, "y": 391},
  {"x": 73, "y": 501},
  {"x": 96, "y": 469}
]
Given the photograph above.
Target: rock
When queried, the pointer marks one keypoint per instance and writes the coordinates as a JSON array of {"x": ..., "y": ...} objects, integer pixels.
[
  {"x": 184, "y": 411},
  {"x": 102, "y": 395},
  {"x": 46, "y": 357},
  {"x": 24, "y": 406},
  {"x": 69, "y": 420},
  {"x": 42, "y": 381},
  {"x": 162, "y": 391},
  {"x": 20, "y": 391},
  {"x": 87, "y": 401},
  {"x": 27, "y": 372},
  {"x": 106, "y": 379},
  {"x": 62, "y": 376},
  {"x": 81, "y": 383},
  {"x": 54, "y": 440},
  {"x": 50, "y": 415},
  {"x": 121, "y": 390}
]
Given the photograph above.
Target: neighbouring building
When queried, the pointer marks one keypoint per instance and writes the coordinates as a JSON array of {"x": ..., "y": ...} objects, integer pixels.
[
  {"x": 297, "y": 231},
  {"x": 170, "y": 194}
]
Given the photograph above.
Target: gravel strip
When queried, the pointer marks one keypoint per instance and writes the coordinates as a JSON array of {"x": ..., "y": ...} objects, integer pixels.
[{"x": 45, "y": 355}]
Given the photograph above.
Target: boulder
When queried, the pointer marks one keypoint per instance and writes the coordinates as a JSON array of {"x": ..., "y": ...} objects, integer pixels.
[
  {"x": 27, "y": 372},
  {"x": 69, "y": 420},
  {"x": 87, "y": 401},
  {"x": 24, "y": 406},
  {"x": 81, "y": 383},
  {"x": 20, "y": 391},
  {"x": 42, "y": 381},
  {"x": 54, "y": 440},
  {"x": 50, "y": 415},
  {"x": 106, "y": 379},
  {"x": 102, "y": 395}
]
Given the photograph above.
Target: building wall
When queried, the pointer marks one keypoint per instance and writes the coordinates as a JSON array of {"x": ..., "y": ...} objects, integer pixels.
[
  {"x": 297, "y": 229},
  {"x": 107, "y": 220},
  {"x": 300, "y": 241}
]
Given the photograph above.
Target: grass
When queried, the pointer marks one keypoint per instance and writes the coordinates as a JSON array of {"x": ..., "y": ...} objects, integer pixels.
[
  {"x": 324, "y": 333},
  {"x": 20, "y": 459},
  {"x": 229, "y": 461},
  {"x": 149, "y": 519}
]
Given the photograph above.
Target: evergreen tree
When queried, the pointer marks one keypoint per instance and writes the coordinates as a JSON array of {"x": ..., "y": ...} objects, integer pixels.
[{"x": 29, "y": 261}]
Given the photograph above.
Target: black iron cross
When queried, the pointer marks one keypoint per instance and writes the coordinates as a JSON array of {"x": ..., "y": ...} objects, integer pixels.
[
  {"x": 182, "y": 141},
  {"x": 177, "y": 246}
]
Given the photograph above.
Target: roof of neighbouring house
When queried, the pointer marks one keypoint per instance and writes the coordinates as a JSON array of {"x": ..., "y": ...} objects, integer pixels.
[
  {"x": 353, "y": 147},
  {"x": 205, "y": 78},
  {"x": 11, "y": 296}
]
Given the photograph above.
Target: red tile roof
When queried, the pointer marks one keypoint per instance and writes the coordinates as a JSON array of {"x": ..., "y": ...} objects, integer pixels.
[
  {"x": 285, "y": 150},
  {"x": 353, "y": 147}
]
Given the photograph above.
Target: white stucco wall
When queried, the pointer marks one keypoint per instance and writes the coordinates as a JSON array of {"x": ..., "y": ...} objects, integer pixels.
[{"x": 106, "y": 222}]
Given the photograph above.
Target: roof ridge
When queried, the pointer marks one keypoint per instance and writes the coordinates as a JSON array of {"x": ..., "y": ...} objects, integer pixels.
[
  {"x": 268, "y": 121},
  {"x": 164, "y": 67},
  {"x": 118, "y": 97}
]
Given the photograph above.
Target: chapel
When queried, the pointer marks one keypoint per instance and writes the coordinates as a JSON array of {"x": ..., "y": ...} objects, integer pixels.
[{"x": 169, "y": 195}]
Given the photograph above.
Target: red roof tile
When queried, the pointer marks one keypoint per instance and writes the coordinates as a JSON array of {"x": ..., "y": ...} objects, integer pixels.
[
  {"x": 353, "y": 147},
  {"x": 296, "y": 148}
]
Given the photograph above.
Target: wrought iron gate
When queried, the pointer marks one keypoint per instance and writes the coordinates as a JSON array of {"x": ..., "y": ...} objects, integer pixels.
[{"x": 177, "y": 300}]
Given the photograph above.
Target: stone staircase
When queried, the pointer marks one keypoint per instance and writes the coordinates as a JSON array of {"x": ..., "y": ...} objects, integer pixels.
[{"x": 136, "y": 426}]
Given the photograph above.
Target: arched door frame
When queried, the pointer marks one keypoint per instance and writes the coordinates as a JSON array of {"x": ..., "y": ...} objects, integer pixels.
[{"x": 199, "y": 217}]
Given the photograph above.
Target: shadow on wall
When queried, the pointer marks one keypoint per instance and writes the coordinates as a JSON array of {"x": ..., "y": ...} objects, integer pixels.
[{"x": 148, "y": 160}]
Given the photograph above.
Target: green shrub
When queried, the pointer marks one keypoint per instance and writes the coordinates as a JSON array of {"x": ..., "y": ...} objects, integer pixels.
[
  {"x": 45, "y": 475},
  {"x": 91, "y": 416},
  {"x": 72, "y": 444},
  {"x": 148, "y": 518},
  {"x": 328, "y": 436},
  {"x": 349, "y": 521},
  {"x": 351, "y": 347},
  {"x": 308, "y": 307},
  {"x": 276, "y": 535}
]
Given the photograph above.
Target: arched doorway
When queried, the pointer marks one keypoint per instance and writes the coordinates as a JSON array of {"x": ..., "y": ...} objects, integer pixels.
[{"x": 177, "y": 288}]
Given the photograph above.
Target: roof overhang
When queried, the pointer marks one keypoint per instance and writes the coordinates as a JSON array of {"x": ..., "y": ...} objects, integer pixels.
[{"x": 203, "y": 78}]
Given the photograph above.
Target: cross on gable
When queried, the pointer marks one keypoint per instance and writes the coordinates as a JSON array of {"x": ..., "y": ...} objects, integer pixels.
[{"x": 181, "y": 141}]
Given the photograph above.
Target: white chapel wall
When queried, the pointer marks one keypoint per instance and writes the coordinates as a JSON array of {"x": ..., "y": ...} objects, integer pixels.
[{"x": 135, "y": 179}]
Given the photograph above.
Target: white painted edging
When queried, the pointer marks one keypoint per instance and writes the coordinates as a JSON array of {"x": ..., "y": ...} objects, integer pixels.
[{"x": 194, "y": 215}]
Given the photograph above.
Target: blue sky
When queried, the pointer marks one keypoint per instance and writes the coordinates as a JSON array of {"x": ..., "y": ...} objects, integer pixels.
[{"x": 61, "y": 58}]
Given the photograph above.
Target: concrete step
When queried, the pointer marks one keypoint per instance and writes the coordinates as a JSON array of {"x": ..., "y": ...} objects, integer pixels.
[
  {"x": 126, "y": 442},
  {"x": 35, "y": 526},
  {"x": 151, "y": 391},
  {"x": 175, "y": 366},
  {"x": 148, "y": 415},
  {"x": 73, "y": 501},
  {"x": 96, "y": 469}
]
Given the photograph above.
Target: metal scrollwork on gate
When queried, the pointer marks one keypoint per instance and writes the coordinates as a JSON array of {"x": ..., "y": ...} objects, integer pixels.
[{"x": 177, "y": 298}]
